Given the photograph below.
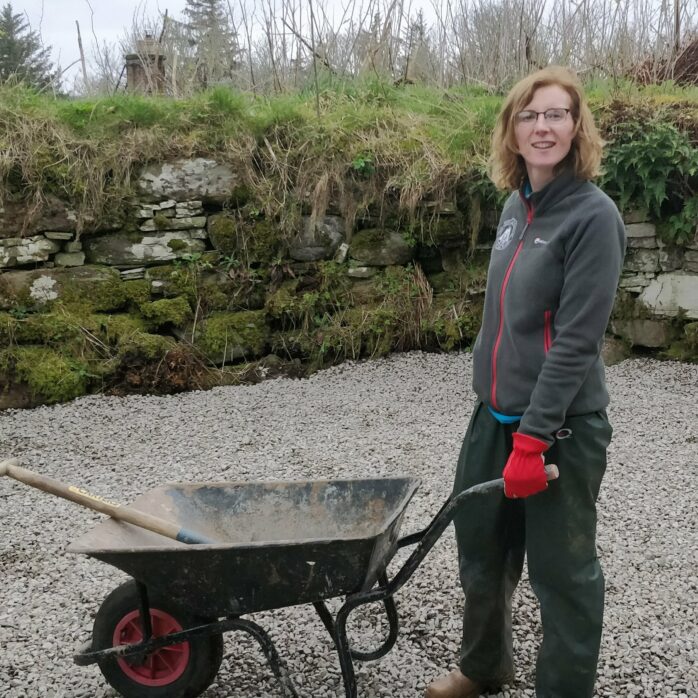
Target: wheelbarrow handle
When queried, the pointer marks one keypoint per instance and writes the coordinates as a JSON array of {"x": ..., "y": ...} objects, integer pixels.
[{"x": 12, "y": 469}]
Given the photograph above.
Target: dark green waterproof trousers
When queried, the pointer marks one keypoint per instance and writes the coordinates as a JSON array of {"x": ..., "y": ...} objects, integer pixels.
[{"x": 556, "y": 530}]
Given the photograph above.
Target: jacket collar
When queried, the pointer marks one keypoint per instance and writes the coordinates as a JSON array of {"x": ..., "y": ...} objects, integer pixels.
[{"x": 561, "y": 186}]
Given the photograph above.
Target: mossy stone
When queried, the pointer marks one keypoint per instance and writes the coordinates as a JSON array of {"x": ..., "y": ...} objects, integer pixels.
[
  {"x": 443, "y": 230},
  {"x": 137, "y": 292},
  {"x": 50, "y": 376},
  {"x": 177, "y": 245},
  {"x": 686, "y": 348},
  {"x": 97, "y": 288},
  {"x": 229, "y": 336},
  {"x": 144, "y": 346},
  {"x": 117, "y": 328},
  {"x": 690, "y": 330},
  {"x": 441, "y": 282},
  {"x": 60, "y": 327},
  {"x": 103, "y": 294},
  {"x": 162, "y": 222},
  {"x": 248, "y": 240},
  {"x": 375, "y": 247},
  {"x": 283, "y": 302},
  {"x": 167, "y": 311}
]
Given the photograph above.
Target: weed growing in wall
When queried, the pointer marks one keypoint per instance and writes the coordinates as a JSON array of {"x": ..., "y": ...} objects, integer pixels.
[{"x": 653, "y": 166}]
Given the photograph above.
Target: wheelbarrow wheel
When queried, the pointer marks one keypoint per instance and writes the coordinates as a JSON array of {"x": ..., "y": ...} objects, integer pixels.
[{"x": 184, "y": 670}]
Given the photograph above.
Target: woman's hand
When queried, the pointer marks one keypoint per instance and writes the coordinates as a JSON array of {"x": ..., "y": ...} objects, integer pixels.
[{"x": 524, "y": 473}]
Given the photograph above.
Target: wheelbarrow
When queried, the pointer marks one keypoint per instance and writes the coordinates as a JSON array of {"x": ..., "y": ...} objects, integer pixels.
[{"x": 271, "y": 545}]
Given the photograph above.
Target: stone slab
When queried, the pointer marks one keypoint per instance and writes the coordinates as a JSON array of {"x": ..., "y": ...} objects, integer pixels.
[
  {"x": 634, "y": 281},
  {"x": 362, "y": 272},
  {"x": 670, "y": 292},
  {"x": 174, "y": 224},
  {"x": 642, "y": 260},
  {"x": 643, "y": 332},
  {"x": 640, "y": 230},
  {"x": 635, "y": 216},
  {"x": 318, "y": 241},
  {"x": 69, "y": 259},
  {"x": 129, "y": 250},
  {"x": 380, "y": 248},
  {"x": 58, "y": 235},
  {"x": 132, "y": 274},
  {"x": 188, "y": 179},
  {"x": 670, "y": 258},
  {"x": 15, "y": 252},
  {"x": 43, "y": 286},
  {"x": 646, "y": 243},
  {"x": 54, "y": 215}
]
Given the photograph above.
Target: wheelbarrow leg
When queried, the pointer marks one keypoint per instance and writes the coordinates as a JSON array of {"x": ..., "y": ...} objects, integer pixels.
[
  {"x": 393, "y": 623},
  {"x": 144, "y": 608},
  {"x": 339, "y": 632},
  {"x": 270, "y": 652},
  {"x": 342, "y": 644}
]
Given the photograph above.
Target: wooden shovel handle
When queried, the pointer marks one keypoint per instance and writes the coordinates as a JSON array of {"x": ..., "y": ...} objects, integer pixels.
[{"x": 81, "y": 496}]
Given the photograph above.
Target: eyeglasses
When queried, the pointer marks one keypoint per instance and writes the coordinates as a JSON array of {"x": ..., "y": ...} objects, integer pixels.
[{"x": 552, "y": 116}]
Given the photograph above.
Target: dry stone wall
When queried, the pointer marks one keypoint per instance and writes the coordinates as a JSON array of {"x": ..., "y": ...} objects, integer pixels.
[{"x": 183, "y": 214}]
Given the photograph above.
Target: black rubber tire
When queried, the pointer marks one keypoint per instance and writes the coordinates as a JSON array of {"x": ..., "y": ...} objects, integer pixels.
[{"x": 205, "y": 652}]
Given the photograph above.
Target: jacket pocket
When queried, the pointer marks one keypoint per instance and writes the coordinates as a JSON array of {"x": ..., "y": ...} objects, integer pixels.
[{"x": 547, "y": 331}]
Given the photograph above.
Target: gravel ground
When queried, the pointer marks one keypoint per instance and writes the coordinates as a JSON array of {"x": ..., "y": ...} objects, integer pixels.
[{"x": 403, "y": 415}]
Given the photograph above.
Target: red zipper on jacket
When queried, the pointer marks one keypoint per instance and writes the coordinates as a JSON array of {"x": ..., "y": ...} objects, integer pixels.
[
  {"x": 547, "y": 337},
  {"x": 529, "y": 218}
]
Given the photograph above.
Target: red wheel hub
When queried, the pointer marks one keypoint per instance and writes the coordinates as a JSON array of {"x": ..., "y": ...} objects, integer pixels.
[{"x": 161, "y": 667}]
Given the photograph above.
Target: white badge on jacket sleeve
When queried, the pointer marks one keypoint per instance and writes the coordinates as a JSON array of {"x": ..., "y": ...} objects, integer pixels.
[{"x": 505, "y": 234}]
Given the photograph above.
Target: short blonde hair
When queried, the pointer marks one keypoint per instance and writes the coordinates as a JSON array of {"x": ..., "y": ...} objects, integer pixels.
[{"x": 506, "y": 167}]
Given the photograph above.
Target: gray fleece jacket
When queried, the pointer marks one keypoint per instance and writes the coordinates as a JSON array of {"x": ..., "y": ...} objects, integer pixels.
[{"x": 551, "y": 284}]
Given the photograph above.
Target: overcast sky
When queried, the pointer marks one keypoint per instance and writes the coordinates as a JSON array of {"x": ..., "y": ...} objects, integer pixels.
[{"x": 108, "y": 20}]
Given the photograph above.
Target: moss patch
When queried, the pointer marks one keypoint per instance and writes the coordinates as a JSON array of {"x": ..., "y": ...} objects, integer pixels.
[
  {"x": 50, "y": 376},
  {"x": 246, "y": 238},
  {"x": 137, "y": 292},
  {"x": 223, "y": 332},
  {"x": 443, "y": 229},
  {"x": 59, "y": 327},
  {"x": 140, "y": 346},
  {"x": 116, "y": 329},
  {"x": 177, "y": 245},
  {"x": 686, "y": 348},
  {"x": 102, "y": 295},
  {"x": 167, "y": 311},
  {"x": 162, "y": 222}
]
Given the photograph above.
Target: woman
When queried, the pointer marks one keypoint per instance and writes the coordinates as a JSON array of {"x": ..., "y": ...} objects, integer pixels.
[{"x": 539, "y": 379}]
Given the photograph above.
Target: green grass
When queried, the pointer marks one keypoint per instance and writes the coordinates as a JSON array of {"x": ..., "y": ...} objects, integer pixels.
[{"x": 420, "y": 138}]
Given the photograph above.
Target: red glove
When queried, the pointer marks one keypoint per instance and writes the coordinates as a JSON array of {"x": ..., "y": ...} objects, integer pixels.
[{"x": 524, "y": 473}]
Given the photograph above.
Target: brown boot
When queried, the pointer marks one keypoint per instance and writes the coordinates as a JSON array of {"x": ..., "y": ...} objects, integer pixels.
[{"x": 453, "y": 685}]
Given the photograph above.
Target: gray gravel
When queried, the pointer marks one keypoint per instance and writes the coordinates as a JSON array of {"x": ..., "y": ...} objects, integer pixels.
[{"x": 402, "y": 415}]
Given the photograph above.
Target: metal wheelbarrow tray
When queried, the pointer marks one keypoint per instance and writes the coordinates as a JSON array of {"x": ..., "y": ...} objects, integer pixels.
[{"x": 281, "y": 544}]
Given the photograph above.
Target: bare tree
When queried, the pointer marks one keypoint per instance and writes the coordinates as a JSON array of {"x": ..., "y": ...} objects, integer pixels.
[{"x": 275, "y": 45}]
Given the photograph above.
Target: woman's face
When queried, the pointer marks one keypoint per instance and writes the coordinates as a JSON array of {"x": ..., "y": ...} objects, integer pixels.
[{"x": 543, "y": 140}]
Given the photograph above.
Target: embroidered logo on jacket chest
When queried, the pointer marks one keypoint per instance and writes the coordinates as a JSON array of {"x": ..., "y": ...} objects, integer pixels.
[{"x": 505, "y": 234}]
